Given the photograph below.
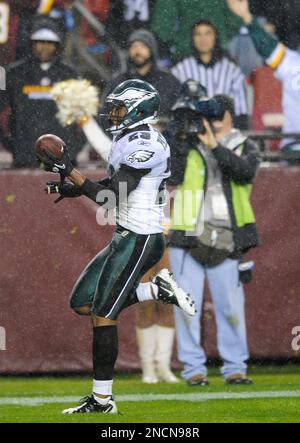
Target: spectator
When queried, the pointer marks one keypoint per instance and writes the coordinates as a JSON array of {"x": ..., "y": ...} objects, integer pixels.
[
  {"x": 211, "y": 66},
  {"x": 142, "y": 64},
  {"x": 155, "y": 334},
  {"x": 12, "y": 12},
  {"x": 173, "y": 19},
  {"x": 243, "y": 51},
  {"x": 62, "y": 12},
  {"x": 28, "y": 13},
  {"x": 125, "y": 16},
  {"x": 284, "y": 14},
  {"x": 9, "y": 21},
  {"x": 222, "y": 166},
  {"x": 95, "y": 44},
  {"x": 284, "y": 61},
  {"x": 99, "y": 8},
  {"x": 28, "y": 85}
]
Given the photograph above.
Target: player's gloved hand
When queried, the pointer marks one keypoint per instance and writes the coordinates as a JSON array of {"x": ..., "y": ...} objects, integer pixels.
[
  {"x": 65, "y": 189},
  {"x": 62, "y": 165}
]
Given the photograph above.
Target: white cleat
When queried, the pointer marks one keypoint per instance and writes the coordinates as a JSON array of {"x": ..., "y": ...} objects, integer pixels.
[
  {"x": 170, "y": 292},
  {"x": 89, "y": 404}
]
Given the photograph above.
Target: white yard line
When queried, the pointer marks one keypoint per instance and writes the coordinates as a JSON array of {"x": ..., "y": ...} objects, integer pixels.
[{"x": 196, "y": 397}]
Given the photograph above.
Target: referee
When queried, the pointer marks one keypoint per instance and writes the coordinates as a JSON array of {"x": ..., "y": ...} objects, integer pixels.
[{"x": 212, "y": 67}]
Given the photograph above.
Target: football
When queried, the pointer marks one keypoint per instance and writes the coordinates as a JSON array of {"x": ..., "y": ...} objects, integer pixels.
[{"x": 51, "y": 143}]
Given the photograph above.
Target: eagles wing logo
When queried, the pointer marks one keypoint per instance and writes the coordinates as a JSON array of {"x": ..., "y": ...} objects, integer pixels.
[{"x": 140, "y": 156}]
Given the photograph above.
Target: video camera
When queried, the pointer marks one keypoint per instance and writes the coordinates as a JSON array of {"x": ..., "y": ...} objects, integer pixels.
[{"x": 191, "y": 107}]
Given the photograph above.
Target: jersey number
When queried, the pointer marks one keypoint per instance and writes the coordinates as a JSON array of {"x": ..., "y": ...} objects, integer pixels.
[{"x": 4, "y": 22}]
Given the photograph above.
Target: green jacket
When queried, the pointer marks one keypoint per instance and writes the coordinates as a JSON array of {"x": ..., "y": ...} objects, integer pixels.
[
  {"x": 172, "y": 22},
  {"x": 238, "y": 173}
]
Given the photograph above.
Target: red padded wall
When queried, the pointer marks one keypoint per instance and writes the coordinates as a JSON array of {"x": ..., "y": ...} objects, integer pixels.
[{"x": 45, "y": 246}]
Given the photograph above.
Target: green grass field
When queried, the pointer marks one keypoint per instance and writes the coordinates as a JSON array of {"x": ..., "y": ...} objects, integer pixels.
[{"x": 274, "y": 397}]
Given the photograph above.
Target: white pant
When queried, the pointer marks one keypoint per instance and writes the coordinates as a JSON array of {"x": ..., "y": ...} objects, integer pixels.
[{"x": 228, "y": 300}]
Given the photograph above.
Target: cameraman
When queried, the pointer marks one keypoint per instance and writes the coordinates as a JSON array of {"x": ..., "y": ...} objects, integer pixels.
[{"x": 218, "y": 161}]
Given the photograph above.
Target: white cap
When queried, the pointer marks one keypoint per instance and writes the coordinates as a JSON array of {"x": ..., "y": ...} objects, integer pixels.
[{"x": 45, "y": 34}]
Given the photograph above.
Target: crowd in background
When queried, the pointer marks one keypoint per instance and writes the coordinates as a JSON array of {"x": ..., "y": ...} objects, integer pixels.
[{"x": 241, "y": 70}]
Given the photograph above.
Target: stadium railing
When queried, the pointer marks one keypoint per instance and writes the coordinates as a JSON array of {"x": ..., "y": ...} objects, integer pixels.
[{"x": 104, "y": 71}]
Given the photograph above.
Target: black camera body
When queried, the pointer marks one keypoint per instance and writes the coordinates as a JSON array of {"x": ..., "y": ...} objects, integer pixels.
[{"x": 191, "y": 107}]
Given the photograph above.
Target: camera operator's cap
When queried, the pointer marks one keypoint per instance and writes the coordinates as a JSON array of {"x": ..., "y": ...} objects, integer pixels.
[
  {"x": 193, "y": 89},
  {"x": 45, "y": 34},
  {"x": 190, "y": 93}
]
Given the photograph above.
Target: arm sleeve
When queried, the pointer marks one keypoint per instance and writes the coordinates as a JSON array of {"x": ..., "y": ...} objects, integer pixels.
[
  {"x": 125, "y": 176},
  {"x": 179, "y": 153},
  {"x": 275, "y": 54},
  {"x": 104, "y": 182},
  {"x": 178, "y": 166},
  {"x": 288, "y": 66},
  {"x": 242, "y": 169},
  {"x": 264, "y": 42}
]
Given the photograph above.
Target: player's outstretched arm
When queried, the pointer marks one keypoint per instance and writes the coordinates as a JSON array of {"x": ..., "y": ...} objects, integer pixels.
[
  {"x": 90, "y": 188},
  {"x": 62, "y": 164},
  {"x": 125, "y": 179},
  {"x": 265, "y": 43}
]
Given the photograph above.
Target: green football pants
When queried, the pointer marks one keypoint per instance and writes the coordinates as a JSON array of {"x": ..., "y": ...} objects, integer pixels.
[{"x": 109, "y": 281}]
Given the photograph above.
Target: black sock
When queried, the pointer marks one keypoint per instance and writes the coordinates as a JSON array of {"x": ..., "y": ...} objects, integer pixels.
[{"x": 105, "y": 351}]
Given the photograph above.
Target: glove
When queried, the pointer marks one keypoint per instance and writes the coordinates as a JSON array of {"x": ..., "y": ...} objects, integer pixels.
[
  {"x": 65, "y": 189},
  {"x": 62, "y": 165}
]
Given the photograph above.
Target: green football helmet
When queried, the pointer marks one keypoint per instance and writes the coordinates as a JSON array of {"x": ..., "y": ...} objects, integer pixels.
[{"x": 141, "y": 100}]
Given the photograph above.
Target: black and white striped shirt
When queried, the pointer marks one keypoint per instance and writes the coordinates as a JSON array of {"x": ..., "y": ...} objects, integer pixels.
[{"x": 224, "y": 77}]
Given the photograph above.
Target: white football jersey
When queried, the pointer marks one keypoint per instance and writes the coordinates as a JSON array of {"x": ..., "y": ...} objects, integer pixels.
[
  {"x": 143, "y": 211},
  {"x": 288, "y": 72}
]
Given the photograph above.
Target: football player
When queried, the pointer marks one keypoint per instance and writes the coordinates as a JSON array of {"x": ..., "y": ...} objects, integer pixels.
[{"x": 138, "y": 167}]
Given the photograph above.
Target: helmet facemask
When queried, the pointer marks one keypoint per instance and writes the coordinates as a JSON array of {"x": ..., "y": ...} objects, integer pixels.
[
  {"x": 115, "y": 117},
  {"x": 141, "y": 104}
]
